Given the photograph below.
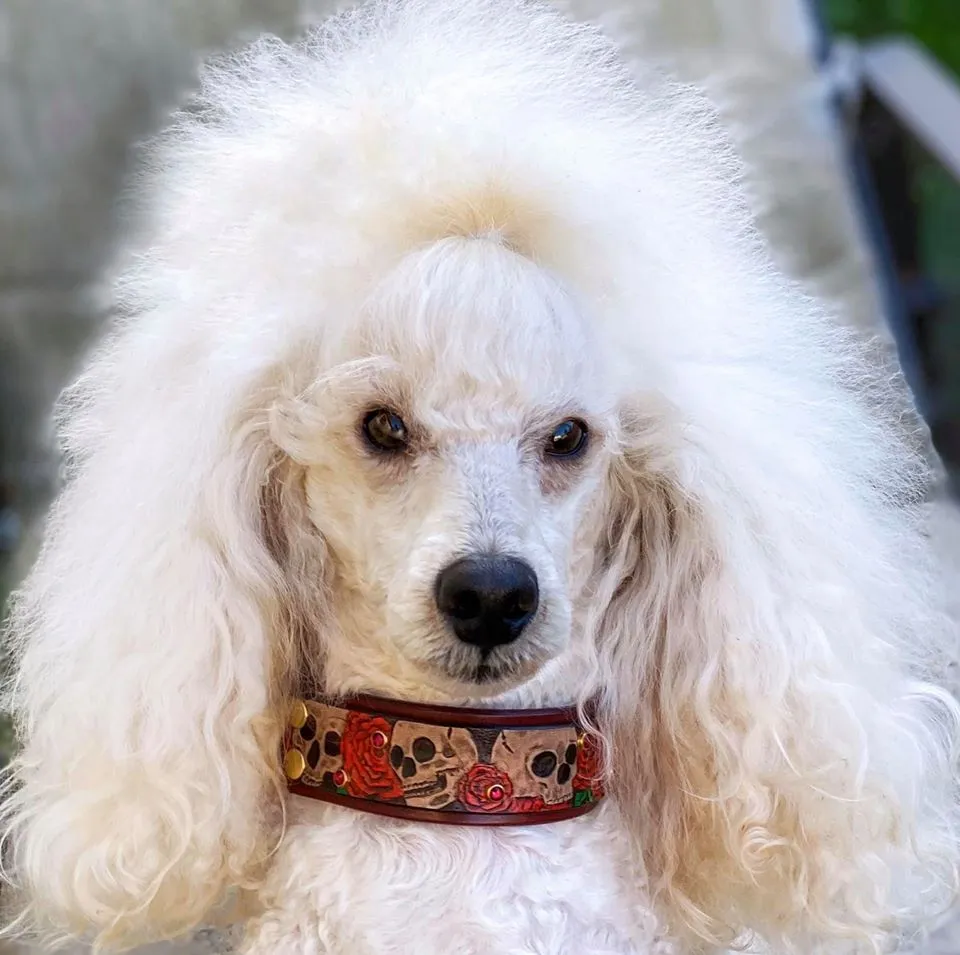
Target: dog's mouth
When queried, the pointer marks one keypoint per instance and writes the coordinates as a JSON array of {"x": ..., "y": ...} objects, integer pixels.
[
  {"x": 465, "y": 668},
  {"x": 485, "y": 673},
  {"x": 489, "y": 670},
  {"x": 482, "y": 673}
]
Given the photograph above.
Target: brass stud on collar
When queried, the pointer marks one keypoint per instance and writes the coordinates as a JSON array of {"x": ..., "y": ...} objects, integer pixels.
[
  {"x": 294, "y": 764},
  {"x": 298, "y": 714}
]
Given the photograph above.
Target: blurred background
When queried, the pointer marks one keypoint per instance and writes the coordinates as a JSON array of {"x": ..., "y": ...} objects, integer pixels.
[{"x": 847, "y": 113}]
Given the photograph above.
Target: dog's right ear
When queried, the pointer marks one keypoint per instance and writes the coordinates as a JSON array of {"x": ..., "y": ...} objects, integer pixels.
[{"x": 158, "y": 637}]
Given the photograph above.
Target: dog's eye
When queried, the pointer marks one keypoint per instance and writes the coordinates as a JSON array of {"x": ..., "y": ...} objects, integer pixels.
[
  {"x": 568, "y": 439},
  {"x": 385, "y": 430}
]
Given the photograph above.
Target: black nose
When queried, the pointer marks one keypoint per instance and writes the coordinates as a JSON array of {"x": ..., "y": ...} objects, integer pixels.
[{"x": 488, "y": 600}]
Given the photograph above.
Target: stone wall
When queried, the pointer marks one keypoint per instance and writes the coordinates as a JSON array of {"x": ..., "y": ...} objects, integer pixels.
[{"x": 80, "y": 82}]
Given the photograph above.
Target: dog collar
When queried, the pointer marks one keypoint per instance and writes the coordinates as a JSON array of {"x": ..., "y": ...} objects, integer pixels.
[{"x": 452, "y": 765}]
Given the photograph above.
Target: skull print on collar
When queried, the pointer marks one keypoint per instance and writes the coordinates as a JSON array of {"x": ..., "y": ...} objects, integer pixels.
[{"x": 442, "y": 764}]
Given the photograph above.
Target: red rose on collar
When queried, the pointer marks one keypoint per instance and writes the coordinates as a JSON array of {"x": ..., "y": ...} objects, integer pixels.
[
  {"x": 485, "y": 788},
  {"x": 589, "y": 766},
  {"x": 365, "y": 746}
]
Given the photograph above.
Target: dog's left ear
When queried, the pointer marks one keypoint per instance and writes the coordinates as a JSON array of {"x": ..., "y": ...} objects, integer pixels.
[
  {"x": 157, "y": 638},
  {"x": 770, "y": 613}
]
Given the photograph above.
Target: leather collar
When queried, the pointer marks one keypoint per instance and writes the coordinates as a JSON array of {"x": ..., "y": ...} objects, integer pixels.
[{"x": 443, "y": 764}]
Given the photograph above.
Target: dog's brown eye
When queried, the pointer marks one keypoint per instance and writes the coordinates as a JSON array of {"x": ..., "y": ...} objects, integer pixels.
[
  {"x": 568, "y": 438},
  {"x": 385, "y": 430}
]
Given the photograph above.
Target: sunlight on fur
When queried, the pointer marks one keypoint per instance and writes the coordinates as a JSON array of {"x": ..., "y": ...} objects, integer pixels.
[{"x": 472, "y": 215}]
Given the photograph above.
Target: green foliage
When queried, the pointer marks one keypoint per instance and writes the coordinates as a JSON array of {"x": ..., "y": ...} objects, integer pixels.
[{"x": 935, "y": 23}]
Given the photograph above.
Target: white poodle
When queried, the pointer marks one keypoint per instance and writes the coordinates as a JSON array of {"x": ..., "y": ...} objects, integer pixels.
[{"x": 444, "y": 292}]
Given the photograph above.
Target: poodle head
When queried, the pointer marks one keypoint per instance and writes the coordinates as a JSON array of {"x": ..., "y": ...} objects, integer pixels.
[{"x": 450, "y": 452}]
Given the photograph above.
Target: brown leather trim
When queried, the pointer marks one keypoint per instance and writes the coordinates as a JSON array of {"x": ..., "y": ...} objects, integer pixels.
[
  {"x": 436, "y": 817},
  {"x": 440, "y": 715}
]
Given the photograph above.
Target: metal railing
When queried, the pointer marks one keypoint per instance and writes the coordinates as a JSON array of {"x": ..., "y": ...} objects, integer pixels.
[{"x": 898, "y": 107}]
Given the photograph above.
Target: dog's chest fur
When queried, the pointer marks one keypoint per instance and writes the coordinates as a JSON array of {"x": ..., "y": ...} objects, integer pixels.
[{"x": 345, "y": 883}]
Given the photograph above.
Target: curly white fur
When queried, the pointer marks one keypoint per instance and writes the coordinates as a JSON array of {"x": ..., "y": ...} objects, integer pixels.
[{"x": 474, "y": 214}]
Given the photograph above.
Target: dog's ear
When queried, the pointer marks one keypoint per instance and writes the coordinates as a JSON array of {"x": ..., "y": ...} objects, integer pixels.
[
  {"x": 769, "y": 611},
  {"x": 158, "y": 638}
]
